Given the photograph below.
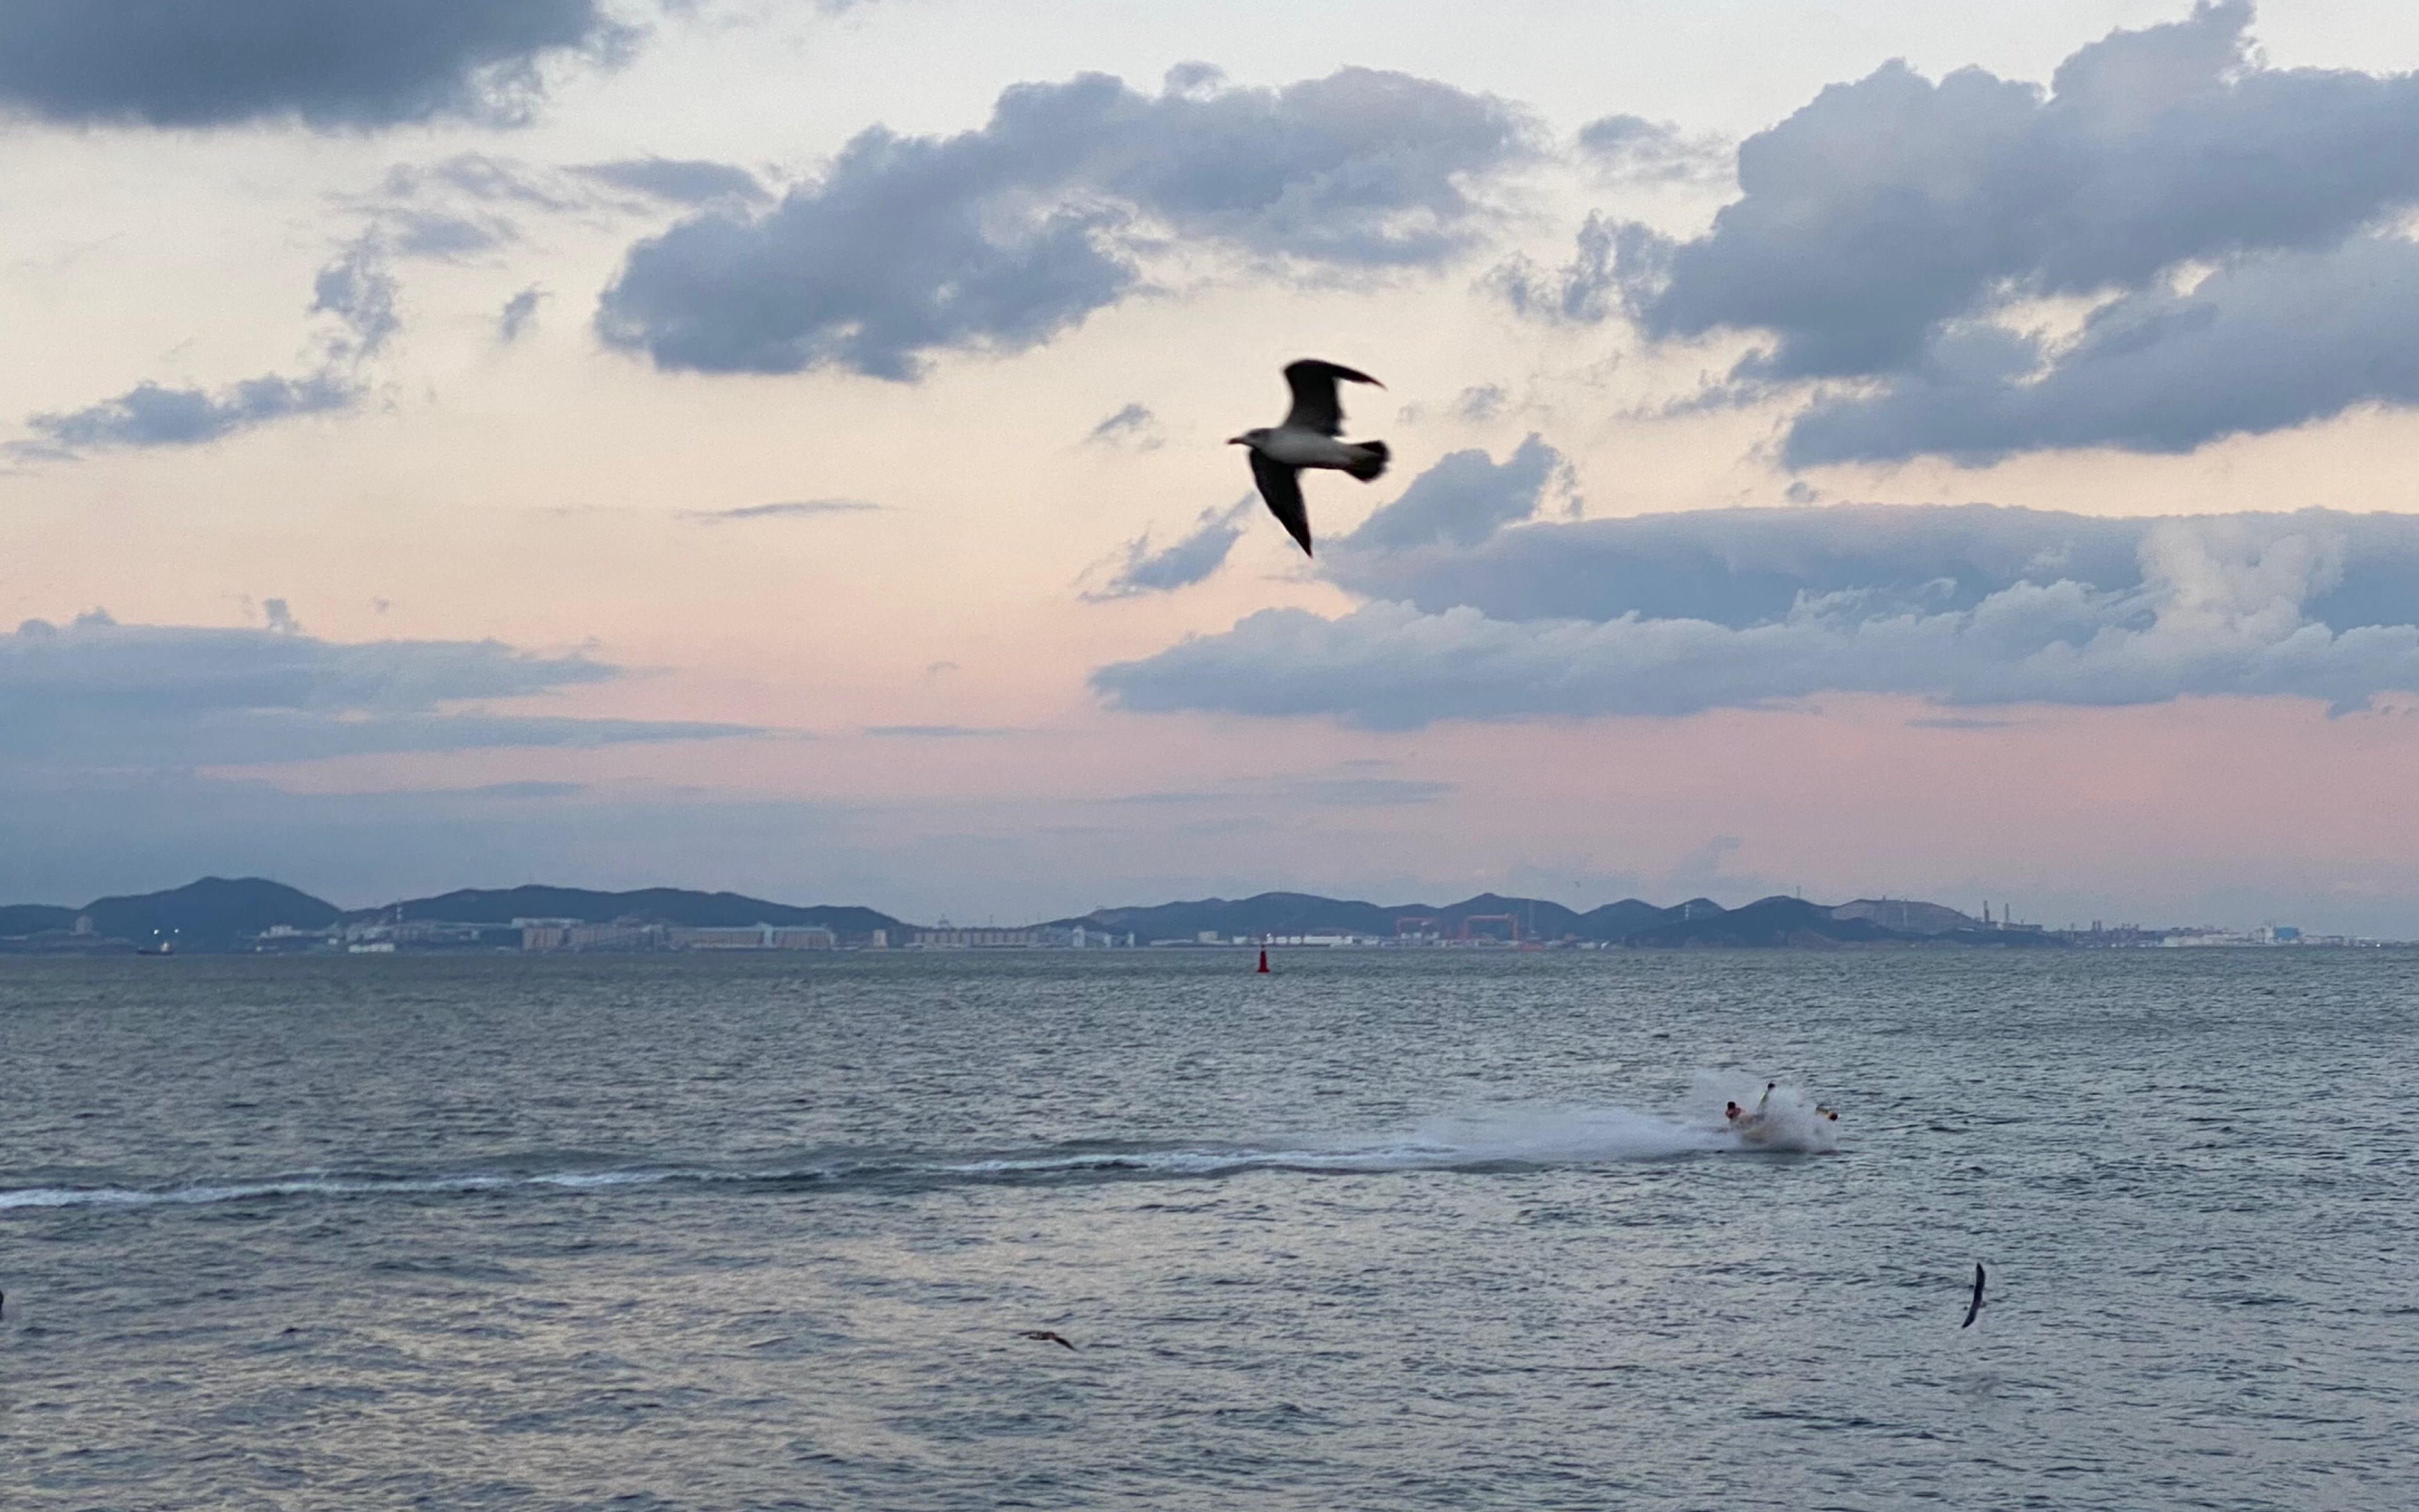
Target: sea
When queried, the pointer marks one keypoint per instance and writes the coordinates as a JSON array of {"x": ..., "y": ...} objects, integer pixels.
[{"x": 1379, "y": 1229}]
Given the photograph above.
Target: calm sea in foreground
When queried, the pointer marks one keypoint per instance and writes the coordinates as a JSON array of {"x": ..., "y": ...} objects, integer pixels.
[{"x": 1378, "y": 1232}]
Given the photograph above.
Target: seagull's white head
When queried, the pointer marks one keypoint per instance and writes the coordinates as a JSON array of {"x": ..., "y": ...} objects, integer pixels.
[{"x": 1254, "y": 439}]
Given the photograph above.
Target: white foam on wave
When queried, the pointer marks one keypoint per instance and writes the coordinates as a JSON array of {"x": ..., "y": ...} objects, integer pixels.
[
  {"x": 240, "y": 1191},
  {"x": 1793, "y": 1121},
  {"x": 1527, "y": 1134}
]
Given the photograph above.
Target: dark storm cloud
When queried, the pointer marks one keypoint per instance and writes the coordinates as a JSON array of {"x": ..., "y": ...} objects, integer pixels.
[
  {"x": 1189, "y": 560},
  {"x": 96, "y": 694},
  {"x": 1001, "y": 237},
  {"x": 1965, "y": 605},
  {"x": 354, "y": 64}
]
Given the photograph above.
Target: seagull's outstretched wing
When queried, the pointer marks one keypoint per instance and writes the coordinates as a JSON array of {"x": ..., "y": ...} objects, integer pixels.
[
  {"x": 1314, "y": 404},
  {"x": 1281, "y": 486},
  {"x": 1976, "y": 1311}
]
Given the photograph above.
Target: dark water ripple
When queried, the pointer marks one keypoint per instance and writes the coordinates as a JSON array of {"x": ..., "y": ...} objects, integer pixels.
[{"x": 1377, "y": 1232}]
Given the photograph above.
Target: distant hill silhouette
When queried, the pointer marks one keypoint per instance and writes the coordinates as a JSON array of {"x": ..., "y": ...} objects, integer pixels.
[
  {"x": 219, "y": 913},
  {"x": 1787, "y": 923},
  {"x": 1305, "y": 913},
  {"x": 668, "y": 905},
  {"x": 33, "y": 918},
  {"x": 210, "y": 913}
]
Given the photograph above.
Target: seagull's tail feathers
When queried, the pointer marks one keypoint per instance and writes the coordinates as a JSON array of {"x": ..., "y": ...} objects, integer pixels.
[{"x": 1374, "y": 457}]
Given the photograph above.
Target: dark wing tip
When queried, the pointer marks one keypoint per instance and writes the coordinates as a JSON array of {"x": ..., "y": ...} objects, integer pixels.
[{"x": 1321, "y": 368}]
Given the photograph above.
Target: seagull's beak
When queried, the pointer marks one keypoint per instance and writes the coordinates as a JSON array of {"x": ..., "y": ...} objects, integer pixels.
[{"x": 1237, "y": 440}]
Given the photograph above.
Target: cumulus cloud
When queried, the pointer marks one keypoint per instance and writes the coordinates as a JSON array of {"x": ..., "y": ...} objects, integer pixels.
[
  {"x": 356, "y": 290},
  {"x": 1460, "y": 501},
  {"x": 2266, "y": 341},
  {"x": 1002, "y": 238},
  {"x": 1188, "y": 561},
  {"x": 1671, "y": 614},
  {"x": 97, "y": 694},
  {"x": 1897, "y": 234},
  {"x": 350, "y": 63},
  {"x": 1888, "y": 206}
]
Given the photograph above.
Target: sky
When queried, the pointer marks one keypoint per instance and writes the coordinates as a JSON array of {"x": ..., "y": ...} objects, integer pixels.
[{"x": 1863, "y": 447}]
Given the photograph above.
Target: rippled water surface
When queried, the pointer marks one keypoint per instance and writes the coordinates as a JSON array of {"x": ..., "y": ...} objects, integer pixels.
[{"x": 1378, "y": 1231}]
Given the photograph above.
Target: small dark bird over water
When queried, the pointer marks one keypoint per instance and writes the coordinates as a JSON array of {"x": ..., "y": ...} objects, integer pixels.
[
  {"x": 1044, "y": 1335},
  {"x": 1976, "y": 1311},
  {"x": 1308, "y": 440}
]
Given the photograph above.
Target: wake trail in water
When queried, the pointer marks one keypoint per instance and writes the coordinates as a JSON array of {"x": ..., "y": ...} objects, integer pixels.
[{"x": 1498, "y": 1139}]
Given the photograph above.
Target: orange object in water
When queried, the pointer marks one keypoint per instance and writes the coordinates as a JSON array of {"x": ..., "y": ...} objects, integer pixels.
[{"x": 1264, "y": 964}]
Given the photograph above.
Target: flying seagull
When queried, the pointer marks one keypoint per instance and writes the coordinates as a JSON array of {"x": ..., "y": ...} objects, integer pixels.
[
  {"x": 1044, "y": 1335},
  {"x": 1976, "y": 1311},
  {"x": 1308, "y": 440}
]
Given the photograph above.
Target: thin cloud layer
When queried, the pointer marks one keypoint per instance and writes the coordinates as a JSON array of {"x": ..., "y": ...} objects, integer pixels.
[
  {"x": 786, "y": 510},
  {"x": 97, "y": 695},
  {"x": 1676, "y": 613},
  {"x": 680, "y": 180},
  {"x": 1002, "y": 238},
  {"x": 343, "y": 64},
  {"x": 1133, "y": 428}
]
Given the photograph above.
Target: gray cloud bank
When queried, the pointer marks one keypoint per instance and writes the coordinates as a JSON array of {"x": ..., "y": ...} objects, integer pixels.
[
  {"x": 95, "y": 693},
  {"x": 1477, "y": 616},
  {"x": 331, "y": 63},
  {"x": 1002, "y": 238},
  {"x": 1888, "y": 235}
]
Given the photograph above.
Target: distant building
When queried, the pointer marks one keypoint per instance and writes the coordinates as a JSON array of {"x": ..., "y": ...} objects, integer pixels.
[
  {"x": 753, "y": 936},
  {"x": 620, "y": 936},
  {"x": 979, "y": 938}
]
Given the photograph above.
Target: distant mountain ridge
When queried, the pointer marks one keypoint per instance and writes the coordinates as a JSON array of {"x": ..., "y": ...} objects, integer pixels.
[
  {"x": 1305, "y": 913},
  {"x": 667, "y": 905},
  {"x": 222, "y": 913}
]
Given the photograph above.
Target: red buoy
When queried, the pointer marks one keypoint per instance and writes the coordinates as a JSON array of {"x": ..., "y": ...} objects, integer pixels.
[{"x": 1264, "y": 963}]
